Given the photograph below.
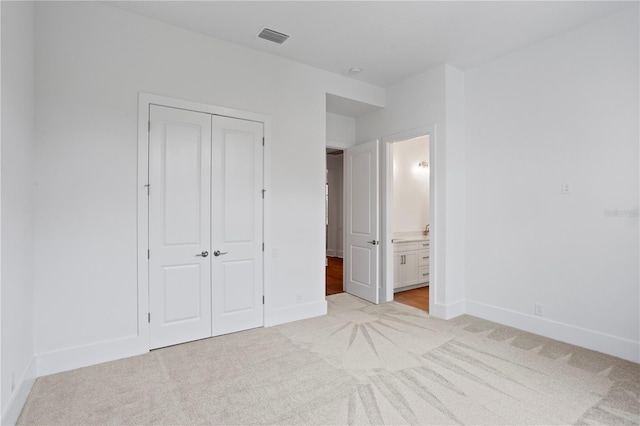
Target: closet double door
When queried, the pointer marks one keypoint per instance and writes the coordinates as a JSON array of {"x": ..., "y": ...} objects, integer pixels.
[{"x": 205, "y": 225}]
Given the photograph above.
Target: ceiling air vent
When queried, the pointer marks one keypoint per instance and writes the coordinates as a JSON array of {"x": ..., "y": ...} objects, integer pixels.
[{"x": 273, "y": 36}]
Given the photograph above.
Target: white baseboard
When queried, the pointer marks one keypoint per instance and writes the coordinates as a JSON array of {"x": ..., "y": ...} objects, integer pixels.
[
  {"x": 334, "y": 253},
  {"x": 83, "y": 356},
  {"x": 295, "y": 313},
  {"x": 16, "y": 401},
  {"x": 590, "y": 339},
  {"x": 449, "y": 311}
]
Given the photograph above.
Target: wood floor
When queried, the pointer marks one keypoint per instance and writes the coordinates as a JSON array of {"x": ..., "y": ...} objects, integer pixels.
[
  {"x": 334, "y": 275},
  {"x": 418, "y": 298}
]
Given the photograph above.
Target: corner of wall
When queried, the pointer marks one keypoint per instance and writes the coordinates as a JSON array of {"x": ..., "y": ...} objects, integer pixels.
[
  {"x": 12, "y": 410},
  {"x": 274, "y": 317}
]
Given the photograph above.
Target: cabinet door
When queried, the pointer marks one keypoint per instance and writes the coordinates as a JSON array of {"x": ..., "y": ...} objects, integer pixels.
[
  {"x": 410, "y": 268},
  {"x": 397, "y": 270}
]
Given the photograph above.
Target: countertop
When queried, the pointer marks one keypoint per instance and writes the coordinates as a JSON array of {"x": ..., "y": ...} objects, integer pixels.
[{"x": 411, "y": 239}]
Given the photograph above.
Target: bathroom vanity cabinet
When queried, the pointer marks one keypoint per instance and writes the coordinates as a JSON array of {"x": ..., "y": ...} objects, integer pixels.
[{"x": 410, "y": 264}]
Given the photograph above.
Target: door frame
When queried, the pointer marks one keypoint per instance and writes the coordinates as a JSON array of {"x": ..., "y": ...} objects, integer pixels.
[
  {"x": 386, "y": 202},
  {"x": 145, "y": 100}
]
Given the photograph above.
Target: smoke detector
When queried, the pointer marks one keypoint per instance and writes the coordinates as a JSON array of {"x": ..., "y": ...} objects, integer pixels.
[{"x": 272, "y": 35}]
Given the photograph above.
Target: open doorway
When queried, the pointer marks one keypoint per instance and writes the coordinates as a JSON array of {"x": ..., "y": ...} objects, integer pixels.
[
  {"x": 333, "y": 221},
  {"x": 411, "y": 204}
]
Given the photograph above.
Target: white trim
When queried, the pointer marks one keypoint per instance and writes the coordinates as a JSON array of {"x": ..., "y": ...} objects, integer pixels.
[
  {"x": 144, "y": 102},
  {"x": 590, "y": 339},
  {"x": 16, "y": 401},
  {"x": 448, "y": 311},
  {"x": 142, "y": 211},
  {"x": 386, "y": 289},
  {"x": 86, "y": 355},
  {"x": 296, "y": 312}
]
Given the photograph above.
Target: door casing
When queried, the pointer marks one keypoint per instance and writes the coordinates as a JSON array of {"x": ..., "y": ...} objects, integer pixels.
[{"x": 144, "y": 102}]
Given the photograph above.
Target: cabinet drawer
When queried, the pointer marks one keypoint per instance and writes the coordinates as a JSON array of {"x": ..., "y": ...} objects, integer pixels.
[
  {"x": 424, "y": 244},
  {"x": 405, "y": 246},
  {"x": 423, "y": 274},
  {"x": 423, "y": 257}
]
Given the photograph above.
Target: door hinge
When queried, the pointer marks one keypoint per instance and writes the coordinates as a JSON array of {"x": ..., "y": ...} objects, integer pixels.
[
  {"x": 263, "y": 141},
  {"x": 149, "y": 317},
  {"x": 149, "y": 125},
  {"x": 148, "y": 254},
  {"x": 262, "y": 246},
  {"x": 263, "y": 191},
  {"x": 263, "y": 300},
  {"x": 148, "y": 186}
]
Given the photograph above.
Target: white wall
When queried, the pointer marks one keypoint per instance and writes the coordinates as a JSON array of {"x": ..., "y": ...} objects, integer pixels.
[
  {"x": 341, "y": 131},
  {"x": 410, "y": 185},
  {"x": 17, "y": 206},
  {"x": 422, "y": 101},
  {"x": 335, "y": 178},
  {"x": 565, "y": 110},
  {"x": 92, "y": 62}
]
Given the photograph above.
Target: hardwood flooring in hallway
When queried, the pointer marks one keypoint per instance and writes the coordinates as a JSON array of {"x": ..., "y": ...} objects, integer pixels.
[{"x": 334, "y": 275}]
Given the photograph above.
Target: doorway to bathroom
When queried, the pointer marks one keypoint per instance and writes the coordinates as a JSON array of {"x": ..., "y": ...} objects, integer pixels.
[{"x": 410, "y": 199}]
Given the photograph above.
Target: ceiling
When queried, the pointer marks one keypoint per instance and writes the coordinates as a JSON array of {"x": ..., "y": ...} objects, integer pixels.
[{"x": 388, "y": 40}]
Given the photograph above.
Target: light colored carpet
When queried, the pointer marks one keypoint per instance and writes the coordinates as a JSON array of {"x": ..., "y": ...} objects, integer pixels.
[{"x": 360, "y": 364}]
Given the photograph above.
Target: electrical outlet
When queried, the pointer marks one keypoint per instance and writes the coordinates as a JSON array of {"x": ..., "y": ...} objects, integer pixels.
[
  {"x": 13, "y": 381},
  {"x": 298, "y": 297},
  {"x": 567, "y": 188},
  {"x": 538, "y": 309}
]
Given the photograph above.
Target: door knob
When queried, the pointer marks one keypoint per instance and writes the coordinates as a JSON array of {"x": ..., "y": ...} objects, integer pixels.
[
  {"x": 218, "y": 253},
  {"x": 203, "y": 254},
  {"x": 374, "y": 242}
]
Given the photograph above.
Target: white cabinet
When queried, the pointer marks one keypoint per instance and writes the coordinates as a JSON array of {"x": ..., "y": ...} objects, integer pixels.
[{"x": 410, "y": 263}]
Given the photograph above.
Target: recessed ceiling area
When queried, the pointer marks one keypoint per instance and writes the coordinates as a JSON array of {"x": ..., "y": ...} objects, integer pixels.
[{"x": 389, "y": 40}]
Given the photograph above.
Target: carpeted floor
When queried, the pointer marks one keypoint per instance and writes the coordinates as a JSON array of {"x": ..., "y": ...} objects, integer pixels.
[{"x": 361, "y": 364}]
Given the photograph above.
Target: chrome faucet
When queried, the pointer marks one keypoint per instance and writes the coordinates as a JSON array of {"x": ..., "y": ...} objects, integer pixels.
[{"x": 426, "y": 230}]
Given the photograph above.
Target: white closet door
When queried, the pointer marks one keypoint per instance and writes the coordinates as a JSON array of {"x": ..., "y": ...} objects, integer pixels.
[
  {"x": 179, "y": 226},
  {"x": 236, "y": 225}
]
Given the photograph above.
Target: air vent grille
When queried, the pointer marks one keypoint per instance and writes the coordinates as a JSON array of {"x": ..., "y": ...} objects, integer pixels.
[{"x": 273, "y": 36}]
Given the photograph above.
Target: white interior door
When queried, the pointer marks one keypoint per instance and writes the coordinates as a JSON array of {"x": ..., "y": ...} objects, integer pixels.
[
  {"x": 179, "y": 226},
  {"x": 237, "y": 225},
  {"x": 362, "y": 228}
]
